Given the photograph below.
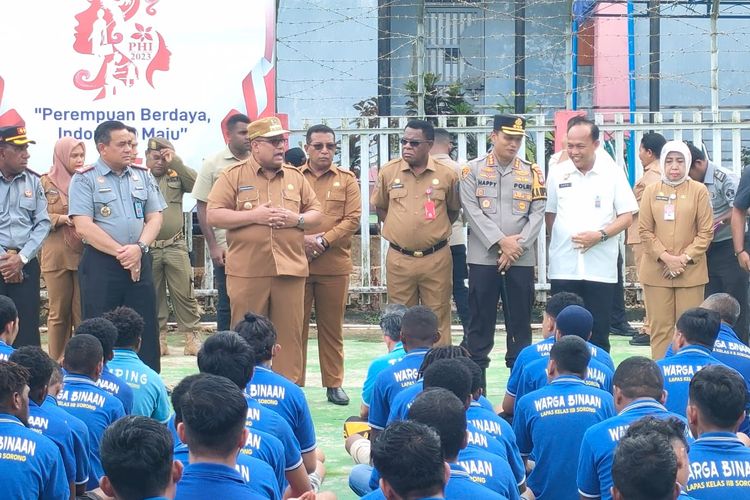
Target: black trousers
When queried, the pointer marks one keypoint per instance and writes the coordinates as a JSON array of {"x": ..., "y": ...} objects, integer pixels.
[
  {"x": 460, "y": 292},
  {"x": 26, "y": 297},
  {"x": 726, "y": 275},
  {"x": 618, "y": 317},
  {"x": 223, "y": 309},
  {"x": 105, "y": 285},
  {"x": 486, "y": 286},
  {"x": 598, "y": 300}
]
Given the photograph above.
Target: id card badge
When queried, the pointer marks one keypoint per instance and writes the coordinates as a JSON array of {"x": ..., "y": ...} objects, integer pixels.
[
  {"x": 669, "y": 211},
  {"x": 138, "y": 207},
  {"x": 429, "y": 210}
]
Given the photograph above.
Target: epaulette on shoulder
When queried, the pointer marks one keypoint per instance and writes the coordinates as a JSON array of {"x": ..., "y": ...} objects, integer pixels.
[
  {"x": 345, "y": 171},
  {"x": 139, "y": 167},
  {"x": 234, "y": 165},
  {"x": 32, "y": 172},
  {"x": 84, "y": 169},
  {"x": 392, "y": 162},
  {"x": 525, "y": 161},
  {"x": 719, "y": 175}
]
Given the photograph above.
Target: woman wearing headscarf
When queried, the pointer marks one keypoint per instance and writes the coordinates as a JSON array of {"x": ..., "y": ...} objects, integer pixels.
[
  {"x": 62, "y": 249},
  {"x": 675, "y": 226}
]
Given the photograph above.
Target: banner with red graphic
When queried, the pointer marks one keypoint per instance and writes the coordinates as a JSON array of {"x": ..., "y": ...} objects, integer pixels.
[{"x": 170, "y": 68}]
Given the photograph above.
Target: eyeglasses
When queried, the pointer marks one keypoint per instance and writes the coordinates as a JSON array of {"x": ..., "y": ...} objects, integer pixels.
[
  {"x": 274, "y": 142},
  {"x": 414, "y": 144},
  {"x": 330, "y": 146}
]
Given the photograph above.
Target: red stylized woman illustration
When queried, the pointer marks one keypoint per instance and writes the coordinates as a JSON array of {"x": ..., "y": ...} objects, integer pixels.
[{"x": 129, "y": 50}]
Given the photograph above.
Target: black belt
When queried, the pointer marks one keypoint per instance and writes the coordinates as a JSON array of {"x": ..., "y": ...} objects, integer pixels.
[{"x": 420, "y": 253}]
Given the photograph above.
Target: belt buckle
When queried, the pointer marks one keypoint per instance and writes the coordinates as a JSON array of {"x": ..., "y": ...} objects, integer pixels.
[{"x": 418, "y": 254}]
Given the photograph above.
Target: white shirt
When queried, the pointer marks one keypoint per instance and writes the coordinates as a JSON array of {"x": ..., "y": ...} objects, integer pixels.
[{"x": 587, "y": 202}]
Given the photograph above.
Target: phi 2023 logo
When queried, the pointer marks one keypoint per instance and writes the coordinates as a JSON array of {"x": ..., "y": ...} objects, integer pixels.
[{"x": 124, "y": 46}]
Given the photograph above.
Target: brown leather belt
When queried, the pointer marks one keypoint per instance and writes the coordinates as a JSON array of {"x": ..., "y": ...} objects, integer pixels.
[
  {"x": 420, "y": 253},
  {"x": 171, "y": 241}
]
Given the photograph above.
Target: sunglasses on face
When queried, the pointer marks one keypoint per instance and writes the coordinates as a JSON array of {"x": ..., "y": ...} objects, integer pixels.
[
  {"x": 414, "y": 144},
  {"x": 318, "y": 146},
  {"x": 274, "y": 142}
]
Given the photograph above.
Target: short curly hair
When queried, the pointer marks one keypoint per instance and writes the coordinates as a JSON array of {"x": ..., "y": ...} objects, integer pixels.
[{"x": 129, "y": 326}]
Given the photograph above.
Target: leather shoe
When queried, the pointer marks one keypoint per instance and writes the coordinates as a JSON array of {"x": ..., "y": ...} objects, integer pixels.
[
  {"x": 624, "y": 330},
  {"x": 337, "y": 396},
  {"x": 640, "y": 339}
]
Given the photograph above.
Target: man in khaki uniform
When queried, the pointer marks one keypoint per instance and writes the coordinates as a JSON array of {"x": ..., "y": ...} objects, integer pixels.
[
  {"x": 171, "y": 263},
  {"x": 648, "y": 153},
  {"x": 328, "y": 250},
  {"x": 417, "y": 200},
  {"x": 236, "y": 150},
  {"x": 265, "y": 206},
  {"x": 503, "y": 198}
]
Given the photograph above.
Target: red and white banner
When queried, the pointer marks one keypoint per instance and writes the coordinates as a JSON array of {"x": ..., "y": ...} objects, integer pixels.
[{"x": 171, "y": 68}]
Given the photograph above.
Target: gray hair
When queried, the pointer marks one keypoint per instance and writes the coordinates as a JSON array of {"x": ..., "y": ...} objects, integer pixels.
[{"x": 724, "y": 304}]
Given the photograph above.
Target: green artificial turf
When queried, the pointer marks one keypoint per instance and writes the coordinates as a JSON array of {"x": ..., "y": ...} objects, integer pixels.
[{"x": 359, "y": 350}]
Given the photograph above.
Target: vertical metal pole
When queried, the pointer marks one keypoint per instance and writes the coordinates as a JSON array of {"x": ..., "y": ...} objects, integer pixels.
[
  {"x": 654, "y": 56},
  {"x": 420, "y": 58},
  {"x": 574, "y": 63},
  {"x": 520, "y": 90},
  {"x": 384, "y": 63},
  {"x": 715, "y": 60},
  {"x": 631, "y": 92}
]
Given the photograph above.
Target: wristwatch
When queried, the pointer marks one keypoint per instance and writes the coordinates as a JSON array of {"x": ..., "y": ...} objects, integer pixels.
[
  {"x": 737, "y": 254},
  {"x": 604, "y": 234},
  {"x": 24, "y": 259},
  {"x": 144, "y": 248},
  {"x": 301, "y": 222}
]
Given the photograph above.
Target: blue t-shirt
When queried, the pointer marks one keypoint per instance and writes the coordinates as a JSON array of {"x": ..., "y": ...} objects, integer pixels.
[
  {"x": 719, "y": 467},
  {"x": 403, "y": 400},
  {"x": 261, "y": 418},
  {"x": 541, "y": 350},
  {"x": 96, "y": 408},
  {"x": 489, "y": 470},
  {"x": 728, "y": 349},
  {"x": 81, "y": 445},
  {"x": 5, "y": 351},
  {"x": 117, "y": 387},
  {"x": 460, "y": 487},
  {"x": 392, "y": 380},
  {"x": 285, "y": 398},
  {"x": 550, "y": 423},
  {"x": 150, "y": 398},
  {"x": 378, "y": 365},
  {"x": 256, "y": 473},
  {"x": 30, "y": 464},
  {"x": 497, "y": 427},
  {"x": 46, "y": 424},
  {"x": 534, "y": 376},
  {"x": 204, "y": 480},
  {"x": 600, "y": 441}
]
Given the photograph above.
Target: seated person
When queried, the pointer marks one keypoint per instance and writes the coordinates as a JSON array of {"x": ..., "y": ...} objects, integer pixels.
[
  {"x": 258, "y": 474},
  {"x": 8, "y": 326},
  {"x": 82, "y": 398},
  {"x": 226, "y": 354},
  {"x": 138, "y": 447},
  {"x": 390, "y": 325},
  {"x": 39, "y": 365},
  {"x": 31, "y": 464},
  {"x": 638, "y": 393},
  {"x": 645, "y": 468},
  {"x": 419, "y": 331},
  {"x": 275, "y": 391},
  {"x": 571, "y": 321},
  {"x": 105, "y": 331},
  {"x": 213, "y": 427},
  {"x": 150, "y": 394},
  {"x": 410, "y": 461},
  {"x": 550, "y": 422},
  {"x": 555, "y": 304},
  {"x": 716, "y": 408}
]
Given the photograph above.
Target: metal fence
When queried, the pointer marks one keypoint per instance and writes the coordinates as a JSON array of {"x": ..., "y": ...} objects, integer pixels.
[{"x": 367, "y": 142}]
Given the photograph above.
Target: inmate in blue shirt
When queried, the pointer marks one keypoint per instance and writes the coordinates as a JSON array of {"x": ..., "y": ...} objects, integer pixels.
[
  {"x": 30, "y": 464},
  {"x": 261, "y": 418},
  {"x": 378, "y": 365},
  {"x": 728, "y": 349},
  {"x": 256, "y": 473},
  {"x": 5, "y": 351},
  {"x": 97, "y": 408},
  {"x": 81, "y": 445},
  {"x": 390, "y": 382},
  {"x": 489, "y": 470},
  {"x": 534, "y": 377},
  {"x": 204, "y": 480},
  {"x": 719, "y": 467},
  {"x": 150, "y": 398},
  {"x": 600, "y": 441},
  {"x": 285, "y": 398},
  {"x": 117, "y": 387},
  {"x": 46, "y": 424},
  {"x": 497, "y": 427},
  {"x": 550, "y": 423}
]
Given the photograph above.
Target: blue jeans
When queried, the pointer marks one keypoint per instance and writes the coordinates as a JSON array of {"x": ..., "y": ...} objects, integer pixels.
[
  {"x": 223, "y": 310},
  {"x": 359, "y": 479}
]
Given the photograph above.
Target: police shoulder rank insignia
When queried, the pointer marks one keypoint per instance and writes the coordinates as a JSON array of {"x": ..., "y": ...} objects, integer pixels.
[
  {"x": 465, "y": 171},
  {"x": 538, "y": 191}
]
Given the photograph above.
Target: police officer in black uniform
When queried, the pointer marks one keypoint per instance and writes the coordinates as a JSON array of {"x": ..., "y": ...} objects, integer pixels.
[
  {"x": 116, "y": 208},
  {"x": 24, "y": 223}
]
